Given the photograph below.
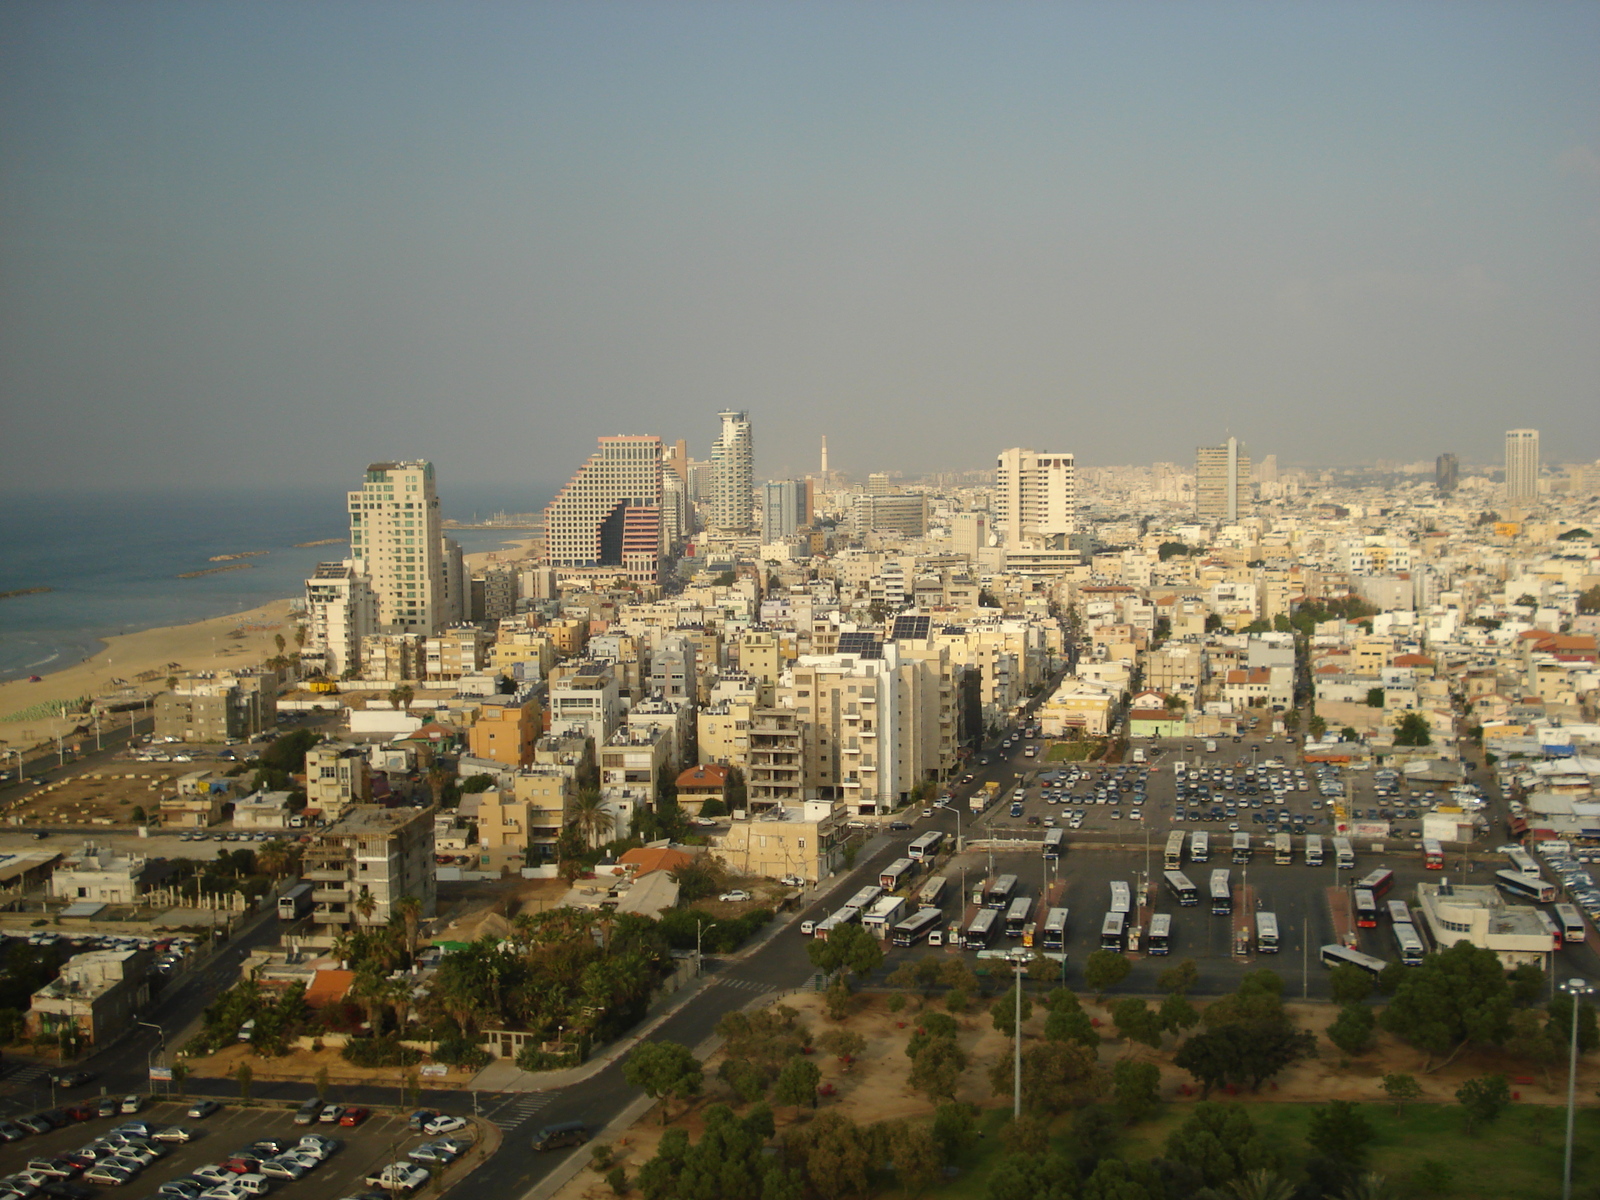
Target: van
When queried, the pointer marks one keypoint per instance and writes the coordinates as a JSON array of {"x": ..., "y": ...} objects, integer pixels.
[
  {"x": 247, "y": 1030},
  {"x": 1211, "y": 745},
  {"x": 306, "y": 1114},
  {"x": 936, "y": 937},
  {"x": 567, "y": 1133}
]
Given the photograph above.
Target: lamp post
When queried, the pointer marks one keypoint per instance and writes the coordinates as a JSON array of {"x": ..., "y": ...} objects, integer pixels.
[
  {"x": 1577, "y": 990},
  {"x": 1018, "y": 959}
]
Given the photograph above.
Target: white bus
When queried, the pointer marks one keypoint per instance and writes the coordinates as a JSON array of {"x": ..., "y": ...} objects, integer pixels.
[
  {"x": 844, "y": 916},
  {"x": 1184, "y": 892},
  {"x": 1282, "y": 849},
  {"x": 1399, "y": 912},
  {"x": 926, "y": 846},
  {"x": 1314, "y": 850},
  {"x": 1113, "y": 931},
  {"x": 1522, "y": 862},
  {"x": 1333, "y": 954},
  {"x": 1266, "y": 933},
  {"x": 1017, "y": 916},
  {"x": 1173, "y": 858},
  {"x": 1199, "y": 846},
  {"x": 1055, "y": 929},
  {"x": 932, "y": 893},
  {"x": 917, "y": 926},
  {"x": 1570, "y": 919},
  {"x": 981, "y": 931},
  {"x": 1344, "y": 854},
  {"x": 1055, "y": 842},
  {"x": 1241, "y": 847},
  {"x": 1408, "y": 944},
  {"x": 1121, "y": 897},
  {"x": 1160, "y": 939},
  {"x": 1221, "y": 893},
  {"x": 999, "y": 893},
  {"x": 1529, "y": 887},
  {"x": 1550, "y": 927},
  {"x": 865, "y": 898},
  {"x": 897, "y": 874},
  {"x": 295, "y": 903}
]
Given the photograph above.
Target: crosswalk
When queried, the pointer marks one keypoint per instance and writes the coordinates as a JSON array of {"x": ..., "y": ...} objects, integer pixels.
[
  {"x": 511, "y": 1115},
  {"x": 26, "y": 1075},
  {"x": 743, "y": 985}
]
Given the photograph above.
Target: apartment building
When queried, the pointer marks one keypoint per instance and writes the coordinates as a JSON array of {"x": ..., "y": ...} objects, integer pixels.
[
  {"x": 95, "y": 999},
  {"x": 362, "y": 864},
  {"x": 606, "y": 522},
  {"x": 630, "y": 764},
  {"x": 804, "y": 840},
  {"x": 217, "y": 706},
  {"x": 395, "y": 542},
  {"x": 455, "y": 652},
  {"x": 732, "y": 475},
  {"x": 587, "y": 703},
  {"x": 505, "y": 730},
  {"x": 336, "y": 778},
  {"x": 1222, "y": 483},
  {"x": 776, "y": 774},
  {"x": 341, "y": 610},
  {"x": 520, "y": 825},
  {"x": 1522, "y": 466},
  {"x": 1035, "y": 499}
]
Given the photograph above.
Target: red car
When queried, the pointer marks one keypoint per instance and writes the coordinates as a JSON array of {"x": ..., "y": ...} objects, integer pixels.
[
  {"x": 354, "y": 1116},
  {"x": 242, "y": 1166}
]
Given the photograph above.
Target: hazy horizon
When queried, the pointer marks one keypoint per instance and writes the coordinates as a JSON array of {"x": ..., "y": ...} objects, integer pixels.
[{"x": 245, "y": 244}]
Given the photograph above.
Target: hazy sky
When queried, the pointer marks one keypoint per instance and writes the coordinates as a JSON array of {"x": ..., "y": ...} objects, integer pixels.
[{"x": 266, "y": 241}]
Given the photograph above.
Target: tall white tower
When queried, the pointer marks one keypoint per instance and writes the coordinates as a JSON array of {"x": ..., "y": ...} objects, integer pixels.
[
  {"x": 1035, "y": 497},
  {"x": 395, "y": 543},
  {"x": 1522, "y": 466},
  {"x": 733, "y": 475}
]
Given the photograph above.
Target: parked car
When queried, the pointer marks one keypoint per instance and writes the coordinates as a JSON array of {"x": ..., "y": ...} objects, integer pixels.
[
  {"x": 354, "y": 1116},
  {"x": 306, "y": 1114},
  {"x": 330, "y": 1114},
  {"x": 131, "y": 1103},
  {"x": 734, "y": 897},
  {"x": 201, "y": 1109},
  {"x": 420, "y": 1118},
  {"x": 444, "y": 1124},
  {"x": 109, "y": 1175},
  {"x": 566, "y": 1133},
  {"x": 173, "y": 1133},
  {"x": 71, "y": 1078}
]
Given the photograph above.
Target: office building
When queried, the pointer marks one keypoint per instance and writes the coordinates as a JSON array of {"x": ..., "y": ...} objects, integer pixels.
[
  {"x": 395, "y": 543},
  {"x": 1446, "y": 474},
  {"x": 1035, "y": 498},
  {"x": 903, "y": 514},
  {"x": 608, "y": 517},
  {"x": 1222, "y": 482},
  {"x": 782, "y": 504},
  {"x": 732, "y": 475},
  {"x": 1522, "y": 466}
]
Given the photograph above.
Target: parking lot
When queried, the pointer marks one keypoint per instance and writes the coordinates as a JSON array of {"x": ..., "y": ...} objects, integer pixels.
[{"x": 381, "y": 1138}]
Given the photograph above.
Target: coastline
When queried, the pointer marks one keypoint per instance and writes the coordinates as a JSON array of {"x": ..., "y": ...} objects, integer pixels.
[{"x": 198, "y": 646}]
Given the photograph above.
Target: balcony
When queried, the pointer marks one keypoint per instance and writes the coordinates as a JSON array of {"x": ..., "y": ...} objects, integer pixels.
[{"x": 330, "y": 895}]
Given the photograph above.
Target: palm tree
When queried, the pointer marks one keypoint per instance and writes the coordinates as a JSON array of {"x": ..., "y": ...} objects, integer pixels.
[
  {"x": 410, "y": 910},
  {"x": 397, "y": 995},
  {"x": 275, "y": 858},
  {"x": 370, "y": 990},
  {"x": 1368, "y": 1186},
  {"x": 1261, "y": 1185},
  {"x": 366, "y": 904},
  {"x": 591, "y": 817}
]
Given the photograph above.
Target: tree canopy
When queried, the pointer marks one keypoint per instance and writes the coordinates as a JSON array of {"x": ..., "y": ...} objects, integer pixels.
[{"x": 1455, "y": 998}]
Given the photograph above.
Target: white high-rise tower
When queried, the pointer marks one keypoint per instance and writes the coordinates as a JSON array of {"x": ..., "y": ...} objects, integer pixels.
[
  {"x": 395, "y": 543},
  {"x": 733, "y": 475},
  {"x": 1035, "y": 498},
  {"x": 1522, "y": 466}
]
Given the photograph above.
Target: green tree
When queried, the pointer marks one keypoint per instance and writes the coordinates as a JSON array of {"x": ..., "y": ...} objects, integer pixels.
[
  {"x": 843, "y": 1044},
  {"x": 1220, "y": 1142},
  {"x": 1402, "y": 1089},
  {"x": 834, "y": 1155},
  {"x": 1413, "y": 731},
  {"x": 1055, "y": 1075},
  {"x": 848, "y": 947},
  {"x": 797, "y": 1084},
  {"x": 1531, "y": 1042},
  {"x": 1456, "y": 998},
  {"x": 936, "y": 1069},
  {"x": 1242, "y": 1053},
  {"x": 1069, "y": 1023},
  {"x": 917, "y": 1157},
  {"x": 1375, "y": 697},
  {"x": 1349, "y": 984},
  {"x": 1103, "y": 970},
  {"x": 1560, "y": 1026},
  {"x": 1136, "y": 1088},
  {"x": 1137, "y": 1023},
  {"x": 955, "y": 1128},
  {"x": 1180, "y": 978},
  {"x": 1177, "y": 1015},
  {"x": 1527, "y": 984},
  {"x": 1339, "y": 1131},
  {"x": 243, "y": 1077},
  {"x": 734, "y": 792},
  {"x": 1317, "y": 727},
  {"x": 1352, "y": 1029},
  {"x": 1003, "y": 1012},
  {"x": 1432, "y": 1177},
  {"x": 321, "y": 1083},
  {"x": 1025, "y": 1134},
  {"x": 663, "y": 1071},
  {"x": 1483, "y": 1099}
]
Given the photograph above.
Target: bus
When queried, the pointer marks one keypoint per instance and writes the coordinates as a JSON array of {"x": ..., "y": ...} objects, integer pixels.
[
  {"x": 1017, "y": 916},
  {"x": 1378, "y": 883},
  {"x": 1314, "y": 850},
  {"x": 981, "y": 931},
  {"x": 1055, "y": 929},
  {"x": 1266, "y": 933},
  {"x": 999, "y": 893},
  {"x": 1366, "y": 909},
  {"x": 1184, "y": 892},
  {"x": 865, "y": 898},
  {"x": 1344, "y": 855},
  {"x": 1399, "y": 912},
  {"x": 932, "y": 893},
  {"x": 1173, "y": 859},
  {"x": 1522, "y": 862},
  {"x": 1199, "y": 846},
  {"x": 1113, "y": 930},
  {"x": 1282, "y": 849},
  {"x": 1160, "y": 939},
  {"x": 1529, "y": 887},
  {"x": 1408, "y": 943},
  {"x": 1221, "y": 893},
  {"x": 1334, "y": 954},
  {"x": 925, "y": 847},
  {"x": 917, "y": 926},
  {"x": 1121, "y": 897},
  {"x": 1241, "y": 847},
  {"x": 897, "y": 874},
  {"x": 1433, "y": 854},
  {"x": 1055, "y": 841},
  {"x": 295, "y": 903},
  {"x": 1571, "y": 921},
  {"x": 1550, "y": 927},
  {"x": 844, "y": 916}
]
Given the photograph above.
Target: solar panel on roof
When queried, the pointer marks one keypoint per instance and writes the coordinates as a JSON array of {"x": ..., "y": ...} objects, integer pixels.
[
  {"x": 866, "y": 645},
  {"x": 910, "y": 628}
]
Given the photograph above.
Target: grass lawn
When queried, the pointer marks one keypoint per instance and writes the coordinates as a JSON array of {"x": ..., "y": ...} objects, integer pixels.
[
  {"x": 1073, "y": 751},
  {"x": 1519, "y": 1155}
]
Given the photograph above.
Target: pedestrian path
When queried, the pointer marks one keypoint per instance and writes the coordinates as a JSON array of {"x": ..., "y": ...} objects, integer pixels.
[
  {"x": 743, "y": 985},
  {"x": 26, "y": 1075},
  {"x": 509, "y": 1116}
]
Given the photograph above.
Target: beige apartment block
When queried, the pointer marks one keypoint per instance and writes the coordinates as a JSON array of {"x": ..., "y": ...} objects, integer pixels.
[
  {"x": 526, "y": 654},
  {"x": 217, "y": 706},
  {"x": 459, "y": 650},
  {"x": 95, "y": 998},
  {"x": 337, "y": 777},
  {"x": 775, "y": 775},
  {"x": 505, "y": 731},
  {"x": 629, "y": 766},
  {"x": 805, "y": 840},
  {"x": 361, "y": 865},
  {"x": 520, "y": 825}
]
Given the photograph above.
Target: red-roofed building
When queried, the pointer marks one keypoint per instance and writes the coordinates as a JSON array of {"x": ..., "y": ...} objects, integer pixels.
[
  {"x": 660, "y": 858},
  {"x": 708, "y": 781}
]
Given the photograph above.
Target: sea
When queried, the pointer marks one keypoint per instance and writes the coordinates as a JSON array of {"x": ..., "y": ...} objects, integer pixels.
[{"x": 112, "y": 561}]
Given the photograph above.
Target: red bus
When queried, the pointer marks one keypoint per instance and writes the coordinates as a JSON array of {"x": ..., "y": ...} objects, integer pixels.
[{"x": 1432, "y": 854}]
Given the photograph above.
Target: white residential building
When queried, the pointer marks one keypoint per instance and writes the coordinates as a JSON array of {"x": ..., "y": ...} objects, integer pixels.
[{"x": 395, "y": 543}]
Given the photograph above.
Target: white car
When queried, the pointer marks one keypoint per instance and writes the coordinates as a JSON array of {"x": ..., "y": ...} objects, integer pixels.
[
  {"x": 733, "y": 897},
  {"x": 449, "y": 1124},
  {"x": 807, "y": 928},
  {"x": 286, "y": 1167}
]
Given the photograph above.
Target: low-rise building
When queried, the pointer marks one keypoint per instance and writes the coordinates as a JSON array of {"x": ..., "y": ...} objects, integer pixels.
[
  {"x": 200, "y": 800},
  {"x": 1480, "y": 915},
  {"x": 218, "y": 706},
  {"x": 337, "y": 777},
  {"x": 263, "y": 810},
  {"x": 805, "y": 840},
  {"x": 520, "y": 825},
  {"x": 100, "y": 875},
  {"x": 708, "y": 781},
  {"x": 95, "y": 998}
]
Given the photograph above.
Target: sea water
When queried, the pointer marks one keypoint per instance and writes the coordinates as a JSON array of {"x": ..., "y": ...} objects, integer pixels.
[{"x": 113, "y": 560}]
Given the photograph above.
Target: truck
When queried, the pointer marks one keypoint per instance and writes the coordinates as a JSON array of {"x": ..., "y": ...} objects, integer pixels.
[
  {"x": 399, "y": 1177},
  {"x": 984, "y": 796}
]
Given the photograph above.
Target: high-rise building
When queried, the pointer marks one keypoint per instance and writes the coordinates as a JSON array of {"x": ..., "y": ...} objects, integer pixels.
[
  {"x": 609, "y": 514},
  {"x": 782, "y": 508},
  {"x": 1446, "y": 474},
  {"x": 732, "y": 475},
  {"x": 340, "y": 611},
  {"x": 1035, "y": 497},
  {"x": 395, "y": 543},
  {"x": 1522, "y": 466},
  {"x": 1222, "y": 482}
]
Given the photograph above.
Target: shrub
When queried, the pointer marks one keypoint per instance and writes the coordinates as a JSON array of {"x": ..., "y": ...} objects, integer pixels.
[
  {"x": 461, "y": 1051},
  {"x": 379, "y": 1052},
  {"x": 618, "y": 1180}
]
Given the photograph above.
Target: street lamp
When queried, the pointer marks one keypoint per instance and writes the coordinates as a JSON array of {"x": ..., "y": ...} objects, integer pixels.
[
  {"x": 1576, "y": 989},
  {"x": 1018, "y": 960}
]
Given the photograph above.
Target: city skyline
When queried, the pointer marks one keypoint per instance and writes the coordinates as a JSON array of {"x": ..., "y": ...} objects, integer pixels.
[{"x": 1122, "y": 229}]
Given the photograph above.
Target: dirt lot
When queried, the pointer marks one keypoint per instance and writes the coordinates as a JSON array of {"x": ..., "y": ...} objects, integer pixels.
[
  {"x": 875, "y": 1087},
  {"x": 105, "y": 796},
  {"x": 304, "y": 1065}
]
